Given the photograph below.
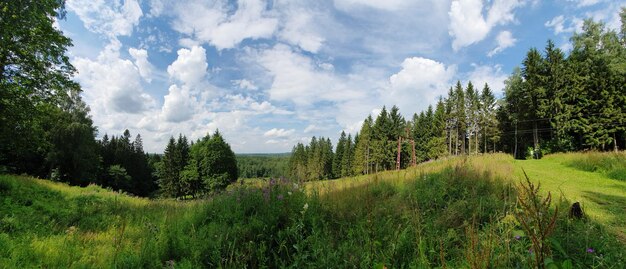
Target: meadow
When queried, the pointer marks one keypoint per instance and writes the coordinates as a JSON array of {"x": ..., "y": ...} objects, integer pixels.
[{"x": 450, "y": 213}]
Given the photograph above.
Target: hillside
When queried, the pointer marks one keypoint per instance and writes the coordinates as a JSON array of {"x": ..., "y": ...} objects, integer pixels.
[{"x": 456, "y": 212}]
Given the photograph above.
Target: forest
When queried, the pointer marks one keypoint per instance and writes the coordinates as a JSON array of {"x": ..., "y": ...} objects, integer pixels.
[
  {"x": 555, "y": 102},
  {"x": 46, "y": 130}
]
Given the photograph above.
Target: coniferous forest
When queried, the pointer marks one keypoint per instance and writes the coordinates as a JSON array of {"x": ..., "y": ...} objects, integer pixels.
[{"x": 554, "y": 102}]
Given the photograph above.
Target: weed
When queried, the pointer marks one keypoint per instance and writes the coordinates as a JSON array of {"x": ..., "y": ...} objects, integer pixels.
[{"x": 536, "y": 219}]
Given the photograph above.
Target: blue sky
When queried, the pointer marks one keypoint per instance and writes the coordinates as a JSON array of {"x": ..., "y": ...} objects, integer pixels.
[{"x": 269, "y": 74}]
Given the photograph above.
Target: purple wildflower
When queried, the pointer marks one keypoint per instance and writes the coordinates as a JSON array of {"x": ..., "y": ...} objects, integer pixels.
[
  {"x": 590, "y": 250},
  {"x": 517, "y": 237},
  {"x": 280, "y": 197}
]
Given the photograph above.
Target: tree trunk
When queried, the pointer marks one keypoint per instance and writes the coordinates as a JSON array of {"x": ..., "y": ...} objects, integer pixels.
[
  {"x": 449, "y": 142},
  {"x": 485, "y": 137},
  {"x": 456, "y": 141},
  {"x": 515, "y": 152},
  {"x": 469, "y": 145},
  {"x": 535, "y": 141}
]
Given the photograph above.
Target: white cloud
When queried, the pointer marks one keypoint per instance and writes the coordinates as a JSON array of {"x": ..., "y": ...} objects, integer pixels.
[
  {"x": 420, "y": 82},
  {"x": 558, "y": 24},
  {"x": 245, "y": 84},
  {"x": 298, "y": 79},
  {"x": 279, "y": 133},
  {"x": 179, "y": 105},
  {"x": 213, "y": 24},
  {"x": 111, "y": 18},
  {"x": 585, "y": 3},
  {"x": 389, "y": 5},
  {"x": 298, "y": 28},
  {"x": 505, "y": 40},
  {"x": 112, "y": 83},
  {"x": 492, "y": 75},
  {"x": 190, "y": 66},
  {"x": 142, "y": 63},
  {"x": 469, "y": 26}
]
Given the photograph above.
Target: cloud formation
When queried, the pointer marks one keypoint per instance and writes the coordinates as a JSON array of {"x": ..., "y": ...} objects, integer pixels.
[{"x": 468, "y": 25}]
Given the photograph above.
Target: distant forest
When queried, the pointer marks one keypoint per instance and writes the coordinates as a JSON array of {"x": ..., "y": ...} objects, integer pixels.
[
  {"x": 262, "y": 165},
  {"x": 553, "y": 103}
]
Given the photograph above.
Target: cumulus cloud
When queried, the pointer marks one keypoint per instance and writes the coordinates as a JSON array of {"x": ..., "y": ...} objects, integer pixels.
[
  {"x": 112, "y": 82},
  {"x": 142, "y": 63},
  {"x": 298, "y": 79},
  {"x": 505, "y": 40},
  {"x": 279, "y": 133},
  {"x": 111, "y": 18},
  {"x": 190, "y": 66},
  {"x": 420, "y": 82},
  {"x": 217, "y": 25},
  {"x": 469, "y": 26},
  {"x": 492, "y": 75},
  {"x": 179, "y": 105}
]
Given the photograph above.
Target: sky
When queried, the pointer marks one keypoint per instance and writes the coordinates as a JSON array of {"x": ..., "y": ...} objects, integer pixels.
[{"x": 270, "y": 74}]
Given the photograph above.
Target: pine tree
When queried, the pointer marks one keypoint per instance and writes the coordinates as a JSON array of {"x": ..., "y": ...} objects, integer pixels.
[
  {"x": 169, "y": 181},
  {"x": 347, "y": 156},
  {"x": 488, "y": 118},
  {"x": 362, "y": 151},
  {"x": 338, "y": 159}
]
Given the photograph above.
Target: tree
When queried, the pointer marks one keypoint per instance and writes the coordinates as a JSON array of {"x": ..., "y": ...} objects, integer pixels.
[
  {"x": 347, "y": 157},
  {"x": 488, "y": 118},
  {"x": 169, "y": 175},
  {"x": 214, "y": 163},
  {"x": 362, "y": 151},
  {"x": 534, "y": 94},
  {"x": 437, "y": 143},
  {"x": 339, "y": 155},
  {"x": 35, "y": 75}
]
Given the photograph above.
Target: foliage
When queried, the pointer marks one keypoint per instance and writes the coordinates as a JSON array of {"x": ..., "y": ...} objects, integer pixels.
[
  {"x": 536, "y": 219},
  {"x": 262, "y": 165},
  {"x": 119, "y": 152},
  {"x": 211, "y": 167},
  {"x": 439, "y": 214}
]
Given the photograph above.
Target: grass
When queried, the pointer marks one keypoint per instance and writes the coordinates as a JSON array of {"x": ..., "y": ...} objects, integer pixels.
[
  {"x": 602, "y": 196},
  {"x": 454, "y": 213}
]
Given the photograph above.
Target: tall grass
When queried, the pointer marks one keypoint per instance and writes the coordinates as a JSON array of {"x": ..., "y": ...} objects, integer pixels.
[
  {"x": 612, "y": 164},
  {"x": 456, "y": 213}
]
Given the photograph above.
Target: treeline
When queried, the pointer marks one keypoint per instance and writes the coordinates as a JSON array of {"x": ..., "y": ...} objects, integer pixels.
[
  {"x": 567, "y": 103},
  {"x": 553, "y": 103},
  {"x": 192, "y": 169},
  {"x": 46, "y": 131},
  {"x": 262, "y": 165}
]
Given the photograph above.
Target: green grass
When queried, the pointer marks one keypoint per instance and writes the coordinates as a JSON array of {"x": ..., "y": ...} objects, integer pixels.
[
  {"x": 454, "y": 213},
  {"x": 602, "y": 196}
]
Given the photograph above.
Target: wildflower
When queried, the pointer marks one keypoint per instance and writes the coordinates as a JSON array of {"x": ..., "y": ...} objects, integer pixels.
[
  {"x": 517, "y": 237},
  {"x": 590, "y": 250},
  {"x": 289, "y": 193},
  {"x": 280, "y": 197}
]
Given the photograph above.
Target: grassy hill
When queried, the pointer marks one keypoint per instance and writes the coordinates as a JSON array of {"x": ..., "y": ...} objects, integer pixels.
[{"x": 458, "y": 212}]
